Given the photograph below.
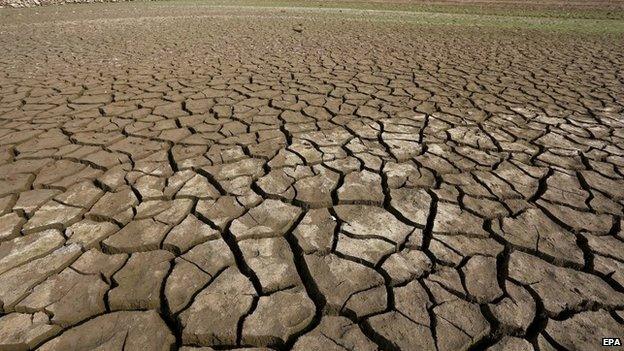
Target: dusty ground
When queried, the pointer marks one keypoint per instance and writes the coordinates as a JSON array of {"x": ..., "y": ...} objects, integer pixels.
[{"x": 177, "y": 175}]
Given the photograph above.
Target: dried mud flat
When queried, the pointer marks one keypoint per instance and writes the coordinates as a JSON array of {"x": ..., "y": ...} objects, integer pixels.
[{"x": 189, "y": 177}]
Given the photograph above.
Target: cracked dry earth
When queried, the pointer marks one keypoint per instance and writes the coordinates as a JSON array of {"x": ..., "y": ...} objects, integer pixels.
[{"x": 197, "y": 178}]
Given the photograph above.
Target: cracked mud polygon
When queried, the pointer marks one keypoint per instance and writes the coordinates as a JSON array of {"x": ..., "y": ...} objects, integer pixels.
[{"x": 197, "y": 177}]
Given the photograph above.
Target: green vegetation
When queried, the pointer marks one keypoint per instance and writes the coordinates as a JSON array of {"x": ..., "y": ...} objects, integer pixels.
[
  {"x": 528, "y": 9},
  {"x": 504, "y": 16}
]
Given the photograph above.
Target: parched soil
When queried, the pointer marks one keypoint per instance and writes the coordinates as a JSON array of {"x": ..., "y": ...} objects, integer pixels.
[{"x": 184, "y": 176}]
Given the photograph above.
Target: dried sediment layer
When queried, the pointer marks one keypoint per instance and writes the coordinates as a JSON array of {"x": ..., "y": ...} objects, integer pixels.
[{"x": 224, "y": 181}]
